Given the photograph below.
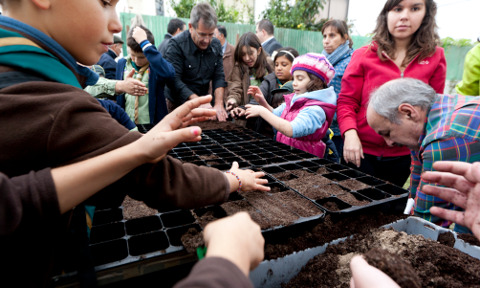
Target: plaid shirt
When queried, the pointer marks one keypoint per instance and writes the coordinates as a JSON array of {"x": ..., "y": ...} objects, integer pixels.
[{"x": 452, "y": 132}]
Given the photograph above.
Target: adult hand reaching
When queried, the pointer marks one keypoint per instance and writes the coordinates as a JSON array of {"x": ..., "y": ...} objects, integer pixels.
[
  {"x": 462, "y": 181},
  {"x": 221, "y": 113},
  {"x": 352, "y": 148}
]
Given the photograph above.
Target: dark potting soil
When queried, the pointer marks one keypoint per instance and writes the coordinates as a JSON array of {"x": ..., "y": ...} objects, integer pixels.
[
  {"x": 469, "y": 238},
  {"x": 136, "y": 209},
  {"x": 192, "y": 240},
  {"x": 353, "y": 184},
  {"x": 210, "y": 125},
  {"x": 298, "y": 204},
  {"x": 208, "y": 157},
  {"x": 322, "y": 170},
  {"x": 411, "y": 260},
  {"x": 352, "y": 199},
  {"x": 446, "y": 239}
]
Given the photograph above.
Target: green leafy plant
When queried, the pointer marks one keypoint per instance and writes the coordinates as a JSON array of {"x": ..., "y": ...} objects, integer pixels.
[
  {"x": 301, "y": 15},
  {"x": 182, "y": 7},
  {"x": 449, "y": 41},
  {"x": 224, "y": 14}
]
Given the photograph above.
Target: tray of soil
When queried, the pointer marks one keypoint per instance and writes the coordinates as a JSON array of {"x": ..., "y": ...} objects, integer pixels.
[
  {"x": 414, "y": 252},
  {"x": 276, "y": 210},
  {"x": 337, "y": 189}
]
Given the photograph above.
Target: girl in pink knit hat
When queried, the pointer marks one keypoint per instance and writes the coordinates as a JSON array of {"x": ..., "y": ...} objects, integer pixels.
[{"x": 303, "y": 120}]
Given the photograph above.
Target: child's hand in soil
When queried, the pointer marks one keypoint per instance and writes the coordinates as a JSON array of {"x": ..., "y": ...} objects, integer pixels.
[
  {"x": 231, "y": 103},
  {"x": 237, "y": 112},
  {"x": 250, "y": 179},
  {"x": 366, "y": 276},
  {"x": 236, "y": 238},
  {"x": 255, "y": 110}
]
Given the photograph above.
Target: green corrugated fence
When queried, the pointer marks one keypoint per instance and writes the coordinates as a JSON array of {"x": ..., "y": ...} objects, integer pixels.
[{"x": 303, "y": 41}]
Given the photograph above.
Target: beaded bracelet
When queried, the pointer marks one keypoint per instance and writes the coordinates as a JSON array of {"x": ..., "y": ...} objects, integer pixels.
[{"x": 238, "y": 178}]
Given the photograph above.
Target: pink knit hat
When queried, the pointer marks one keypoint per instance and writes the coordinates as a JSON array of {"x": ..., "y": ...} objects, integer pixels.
[{"x": 314, "y": 63}]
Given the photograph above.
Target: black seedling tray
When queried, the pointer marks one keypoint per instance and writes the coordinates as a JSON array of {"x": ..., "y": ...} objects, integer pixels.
[{"x": 337, "y": 188}]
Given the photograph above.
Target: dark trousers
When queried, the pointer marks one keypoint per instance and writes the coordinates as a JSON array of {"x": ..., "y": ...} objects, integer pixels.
[
  {"x": 392, "y": 169},
  {"x": 338, "y": 141}
]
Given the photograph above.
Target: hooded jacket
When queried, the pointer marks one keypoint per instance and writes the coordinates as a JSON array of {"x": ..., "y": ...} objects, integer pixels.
[{"x": 310, "y": 115}]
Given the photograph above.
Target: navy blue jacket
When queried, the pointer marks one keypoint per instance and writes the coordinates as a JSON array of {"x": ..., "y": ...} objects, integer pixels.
[
  {"x": 160, "y": 70},
  {"x": 108, "y": 63}
]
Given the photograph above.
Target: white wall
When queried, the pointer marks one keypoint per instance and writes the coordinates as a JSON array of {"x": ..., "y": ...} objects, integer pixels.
[{"x": 334, "y": 9}]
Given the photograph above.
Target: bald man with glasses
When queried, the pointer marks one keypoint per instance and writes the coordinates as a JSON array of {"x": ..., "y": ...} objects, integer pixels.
[{"x": 197, "y": 58}]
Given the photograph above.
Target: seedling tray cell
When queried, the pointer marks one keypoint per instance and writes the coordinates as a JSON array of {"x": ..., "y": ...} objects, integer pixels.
[
  {"x": 374, "y": 194},
  {"x": 369, "y": 180},
  {"x": 107, "y": 232},
  {"x": 352, "y": 173},
  {"x": 148, "y": 243},
  {"x": 335, "y": 176},
  {"x": 292, "y": 166},
  {"x": 109, "y": 252},
  {"x": 143, "y": 225},
  {"x": 393, "y": 190},
  {"x": 177, "y": 218},
  {"x": 337, "y": 167},
  {"x": 175, "y": 234},
  {"x": 107, "y": 216},
  {"x": 333, "y": 204}
]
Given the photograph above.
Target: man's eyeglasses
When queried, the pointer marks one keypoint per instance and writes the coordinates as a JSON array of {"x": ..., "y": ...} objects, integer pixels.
[{"x": 202, "y": 35}]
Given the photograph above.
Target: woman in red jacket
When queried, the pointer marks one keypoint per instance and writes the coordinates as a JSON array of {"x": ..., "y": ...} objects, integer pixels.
[{"x": 404, "y": 45}]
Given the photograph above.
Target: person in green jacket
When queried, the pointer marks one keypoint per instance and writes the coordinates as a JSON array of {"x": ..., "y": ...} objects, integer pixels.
[{"x": 470, "y": 84}]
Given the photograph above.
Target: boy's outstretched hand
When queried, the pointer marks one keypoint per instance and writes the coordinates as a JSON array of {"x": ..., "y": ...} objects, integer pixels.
[
  {"x": 462, "y": 181},
  {"x": 166, "y": 134}
]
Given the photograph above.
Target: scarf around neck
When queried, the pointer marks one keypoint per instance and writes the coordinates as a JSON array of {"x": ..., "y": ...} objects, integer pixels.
[
  {"x": 26, "y": 48},
  {"x": 338, "y": 54}
]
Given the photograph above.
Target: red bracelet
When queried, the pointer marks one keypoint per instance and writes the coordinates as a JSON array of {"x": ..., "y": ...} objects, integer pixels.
[{"x": 238, "y": 178}]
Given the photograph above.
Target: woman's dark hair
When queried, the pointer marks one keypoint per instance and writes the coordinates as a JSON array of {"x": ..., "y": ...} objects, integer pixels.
[
  {"x": 424, "y": 40},
  {"x": 315, "y": 83},
  {"x": 341, "y": 27},
  {"x": 251, "y": 41},
  {"x": 284, "y": 52}
]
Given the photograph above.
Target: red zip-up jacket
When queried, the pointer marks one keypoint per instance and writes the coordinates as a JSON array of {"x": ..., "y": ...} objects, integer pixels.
[{"x": 365, "y": 73}]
